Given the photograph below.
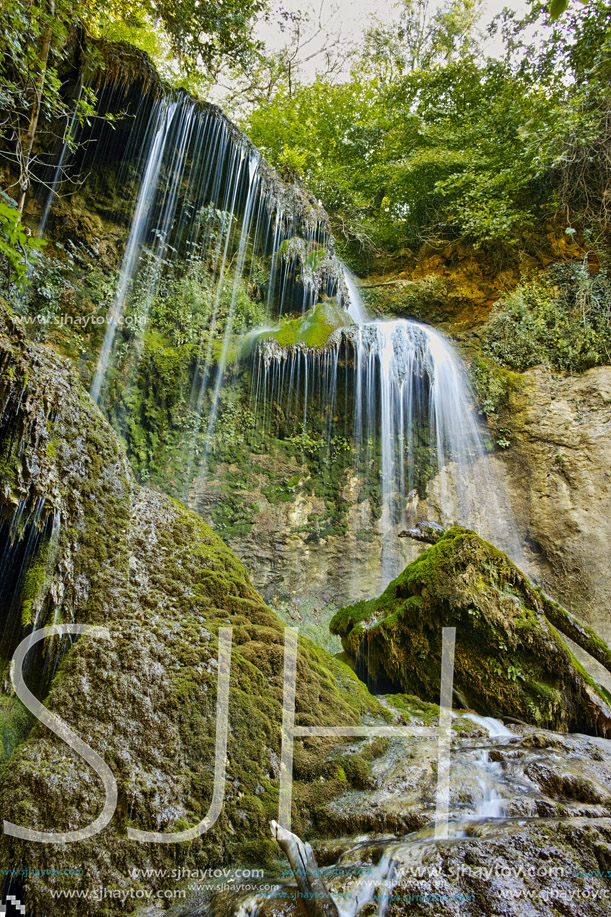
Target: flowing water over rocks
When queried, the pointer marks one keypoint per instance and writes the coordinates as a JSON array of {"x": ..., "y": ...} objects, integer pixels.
[
  {"x": 546, "y": 849},
  {"x": 411, "y": 421}
]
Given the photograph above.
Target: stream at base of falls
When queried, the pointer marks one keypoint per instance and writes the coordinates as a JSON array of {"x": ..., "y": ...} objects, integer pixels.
[{"x": 501, "y": 792}]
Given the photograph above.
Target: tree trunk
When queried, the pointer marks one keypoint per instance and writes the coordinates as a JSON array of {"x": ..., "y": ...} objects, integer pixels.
[
  {"x": 579, "y": 633},
  {"x": 316, "y": 898},
  {"x": 35, "y": 113}
]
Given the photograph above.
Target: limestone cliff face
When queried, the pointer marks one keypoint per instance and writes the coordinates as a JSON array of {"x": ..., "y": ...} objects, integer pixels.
[
  {"x": 454, "y": 285},
  {"x": 560, "y": 480},
  {"x": 304, "y": 579},
  {"x": 310, "y": 535},
  {"x": 157, "y": 577}
]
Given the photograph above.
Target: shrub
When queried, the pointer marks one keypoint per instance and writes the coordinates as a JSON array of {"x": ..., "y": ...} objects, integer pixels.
[{"x": 562, "y": 320}]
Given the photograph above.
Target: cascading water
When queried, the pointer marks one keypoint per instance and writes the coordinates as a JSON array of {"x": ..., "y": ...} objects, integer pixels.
[
  {"x": 58, "y": 172},
  {"x": 135, "y": 241},
  {"x": 205, "y": 198},
  {"x": 413, "y": 427},
  {"x": 389, "y": 393},
  {"x": 491, "y": 803},
  {"x": 367, "y": 875},
  {"x": 194, "y": 195}
]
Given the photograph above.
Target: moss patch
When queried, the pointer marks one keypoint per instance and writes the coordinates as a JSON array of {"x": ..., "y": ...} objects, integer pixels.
[
  {"x": 15, "y": 724},
  {"x": 163, "y": 583},
  {"x": 310, "y": 330}
]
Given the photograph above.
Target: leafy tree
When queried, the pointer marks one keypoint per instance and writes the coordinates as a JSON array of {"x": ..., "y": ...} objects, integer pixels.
[
  {"x": 579, "y": 47},
  {"x": 33, "y": 49},
  {"x": 260, "y": 74},
  {"x": 428, "y": 140},
  {"x": 571, "y": 60},
  {"x": 558, "y": 7},
  {"x": 424, "y": 37},
  {"x": 436, "y": 153},
  {"x": 200, "y": 32}
]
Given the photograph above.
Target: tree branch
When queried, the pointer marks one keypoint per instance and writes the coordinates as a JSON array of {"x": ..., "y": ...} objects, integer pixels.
[{"x": 315, "y": 896}]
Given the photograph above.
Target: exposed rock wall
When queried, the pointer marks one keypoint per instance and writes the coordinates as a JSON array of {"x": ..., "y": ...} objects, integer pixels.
[{"x": 559, "y": 474}]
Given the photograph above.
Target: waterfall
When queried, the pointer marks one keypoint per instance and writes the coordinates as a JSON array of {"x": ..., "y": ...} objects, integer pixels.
[
  {"x": 135, "y": 241},
  {"x": 412, "y": 423},
  {"x": 356, "y": 306},
  {"x": 204, "y": 197},
  {"x": 388, "y": 398},
  {"x": 245, "y": 235},
  {"x": 23, "y": 534},
  {"x": 58, "y": 171}
]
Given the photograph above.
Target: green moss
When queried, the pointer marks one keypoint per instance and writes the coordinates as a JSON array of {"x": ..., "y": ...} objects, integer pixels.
[
  {"x": 397, "y": 597},
  {"x": 411, "y": 707},
  {"x": 310, "y": 330},
  {"x": 36, "y": 579},
  {"x": 509, "y": 660},
  {"x": 279, "y": 492},
  {"x": 15, "y": 724},
  {"x": 493, "y": 384},
  {"x": 358, "y": 771},
  {"x": 233, "y": 516},
  {"x": 9, "y": 466},
  {"x": 430, "y": 299}
]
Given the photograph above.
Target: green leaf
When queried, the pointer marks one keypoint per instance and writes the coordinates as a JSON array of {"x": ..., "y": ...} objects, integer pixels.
[
  {"x": 15, "y": 244},
  {"x": 557, "y": 8}
]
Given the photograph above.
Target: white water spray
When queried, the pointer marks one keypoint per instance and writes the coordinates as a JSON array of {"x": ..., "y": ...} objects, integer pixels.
[
  {"x": 414, "y": 431},
  {"x": 137, "y": 233}
]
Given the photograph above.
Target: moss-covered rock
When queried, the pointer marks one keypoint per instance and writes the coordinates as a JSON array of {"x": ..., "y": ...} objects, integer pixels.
[
  {"x": 509, "y": 659},
  {"x": 15, "y": 724},
  {"x": 162, "y": 582},
  {"x": 313, "y": 329}
]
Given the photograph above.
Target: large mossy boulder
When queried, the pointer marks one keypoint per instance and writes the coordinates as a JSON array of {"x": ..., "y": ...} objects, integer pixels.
[
  {"x": 510, "y": 660},
  {"x": 108, "y": 552}
]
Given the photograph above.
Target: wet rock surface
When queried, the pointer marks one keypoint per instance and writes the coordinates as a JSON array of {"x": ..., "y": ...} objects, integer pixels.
[
  {"x": 560, "y": 483},
  {"x": 543, "y": 853}
]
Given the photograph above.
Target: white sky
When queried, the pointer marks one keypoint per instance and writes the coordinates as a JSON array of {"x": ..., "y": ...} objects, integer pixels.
[{"x": 348, "y": 19}]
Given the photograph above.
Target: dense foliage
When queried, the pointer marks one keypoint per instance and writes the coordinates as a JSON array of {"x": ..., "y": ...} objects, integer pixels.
[
  {"x": 199, "y": 31},
  {"x": 429, "y": 139},
  {"x": 41, "y": 45},
  {"x": 42, "y": 41},
  {"x": 562, "y": 320},
  {"x": 15, "y": 244}
]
